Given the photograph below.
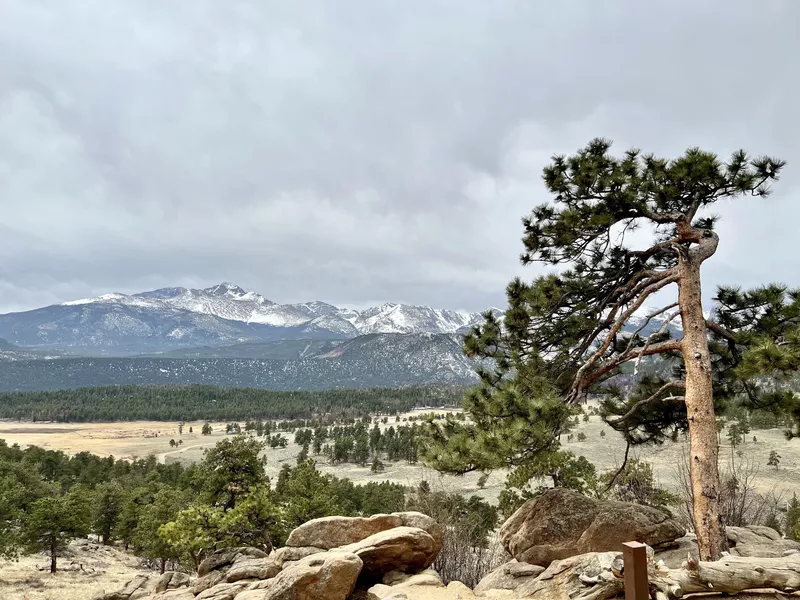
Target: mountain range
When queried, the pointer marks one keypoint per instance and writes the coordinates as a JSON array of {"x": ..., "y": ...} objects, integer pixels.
[
  {"x": 172, "y": 318},
  {"x": 227, "y": 336}
]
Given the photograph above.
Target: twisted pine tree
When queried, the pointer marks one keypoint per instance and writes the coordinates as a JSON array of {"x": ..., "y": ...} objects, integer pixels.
[{"x": 564, "y": 335}]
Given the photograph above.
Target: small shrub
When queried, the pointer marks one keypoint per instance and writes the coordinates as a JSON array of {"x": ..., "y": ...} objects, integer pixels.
[
  {"x": 33, "y": 582},
  {"x": 470, "y": 547},
  {"x": 636, "y": 483},
  {"x": 740, "y": 504}
]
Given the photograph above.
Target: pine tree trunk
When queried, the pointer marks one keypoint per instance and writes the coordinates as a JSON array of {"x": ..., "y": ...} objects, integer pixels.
[
  {"x": 163, "y": 565},
  {"x": 52, "y": 557},
  {"x": 703, "y": 444}
]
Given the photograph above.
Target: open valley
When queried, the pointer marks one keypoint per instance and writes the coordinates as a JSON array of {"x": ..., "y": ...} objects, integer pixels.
[{"x": 139, "y": 439}]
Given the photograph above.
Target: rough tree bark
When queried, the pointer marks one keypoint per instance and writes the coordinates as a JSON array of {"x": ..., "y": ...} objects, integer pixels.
[{"x": 703, "y": 445}]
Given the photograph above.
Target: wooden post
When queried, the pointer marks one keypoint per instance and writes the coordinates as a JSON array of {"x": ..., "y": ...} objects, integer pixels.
[{"x": 634, "y": 557}]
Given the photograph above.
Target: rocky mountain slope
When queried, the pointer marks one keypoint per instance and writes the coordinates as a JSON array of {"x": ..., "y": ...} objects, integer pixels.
[{"x": 10, "y": 352}]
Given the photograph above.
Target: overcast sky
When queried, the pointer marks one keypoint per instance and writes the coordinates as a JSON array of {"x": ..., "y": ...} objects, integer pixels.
[{"x": 360, "y": 152}]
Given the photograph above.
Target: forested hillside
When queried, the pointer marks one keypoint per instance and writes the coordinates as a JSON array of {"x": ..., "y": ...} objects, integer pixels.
[
  {"x": 173, "y": 514},
  {"x": 202, "y": 402},
  {"x": 367, "y": 361}
]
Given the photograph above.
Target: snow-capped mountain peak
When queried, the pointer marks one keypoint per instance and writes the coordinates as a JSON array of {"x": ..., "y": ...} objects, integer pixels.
[
  {"x": 114, "y": 299},
  {"x": 404, "y": 318},
  {"x": 232, "y": 302},
  {"x": 225, "y": 289}
]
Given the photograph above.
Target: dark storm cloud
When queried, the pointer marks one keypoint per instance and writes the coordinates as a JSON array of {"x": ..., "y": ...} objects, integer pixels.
[{"x": 360, "y": 152}]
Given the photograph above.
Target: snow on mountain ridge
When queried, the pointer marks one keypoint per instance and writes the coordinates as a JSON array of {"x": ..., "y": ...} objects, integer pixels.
[
  {"x": 640, "y": 315},
  {"x": 404, "y": 318},
  {"x": 226, "y": 289},
  {"x": 231, "y": 302}
]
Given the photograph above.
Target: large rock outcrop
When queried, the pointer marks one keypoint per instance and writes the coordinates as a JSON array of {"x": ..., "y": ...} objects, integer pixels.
[
  {"x": 223, "y": 591},
  {"x": 248, "y": 567},
  {"x": 759, "y": 541},
  {"x": 226, "y": 556},
  {"x": 509, "y": 576},
  {"x": 395, "y": 583},
  {"x": 331, "y": 575},
  {"x": 392, "y": 564},
  {"x": 562, "y": 523},
  {"x": 406, "y": 549},
  {"x": 393, "y": 548},
  {"x": 288, "y": 554},
  {"x": 332, "y": 532},
  {"x": 328, "y": 533},
  {"x": 172, "y": 580},
  {"x": 140, "y": 586}
]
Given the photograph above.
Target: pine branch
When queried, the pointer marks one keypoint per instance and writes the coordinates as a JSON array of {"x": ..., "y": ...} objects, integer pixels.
[
  {"x": 661, "y": 218},
  {"x": 675, "y": 384}
]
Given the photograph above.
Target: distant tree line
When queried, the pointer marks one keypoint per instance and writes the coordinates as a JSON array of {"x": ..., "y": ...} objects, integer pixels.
[
  {"x": 358, "y": 441},
  {"x": 204, "y": 402},
  {"x": 360, "y": 444}
]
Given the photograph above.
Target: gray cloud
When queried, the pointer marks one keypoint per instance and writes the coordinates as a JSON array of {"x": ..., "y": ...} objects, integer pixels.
[{"x": 360, "y": 152}]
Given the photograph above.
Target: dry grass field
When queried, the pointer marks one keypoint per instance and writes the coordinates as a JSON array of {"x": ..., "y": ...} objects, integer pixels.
[
  {"x": 141, "y": 438},
  {"x": 607, "y": 453}
]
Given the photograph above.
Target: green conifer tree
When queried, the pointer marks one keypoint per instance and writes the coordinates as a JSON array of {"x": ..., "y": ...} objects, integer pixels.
[
  {"x": 230, "y": 469},
  {"x": 109, "y": 499},
  {"x": 51, "y": 522},
  {"x": 563, "y": 335},
  {"x": 165, "y": 506}
]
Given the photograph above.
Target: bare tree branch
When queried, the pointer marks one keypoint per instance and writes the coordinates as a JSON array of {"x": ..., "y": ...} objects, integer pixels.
[
  {"x": 660, "y": 331},
  {"x": 610, "y": 364},
  {"x": 720, "y": 330},
  {"x": 670, "y": 277},
  {"x": 622, "y": 467},
  {"x": 650, "y": 318}
]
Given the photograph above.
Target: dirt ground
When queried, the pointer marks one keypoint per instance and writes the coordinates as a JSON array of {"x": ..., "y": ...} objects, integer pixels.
[{"x": 86, "y": 569}]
